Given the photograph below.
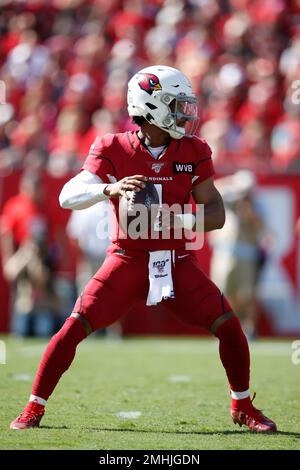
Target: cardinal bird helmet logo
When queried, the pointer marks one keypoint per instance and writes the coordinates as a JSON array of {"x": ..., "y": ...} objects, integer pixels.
[{"x": 149, "y": 82}]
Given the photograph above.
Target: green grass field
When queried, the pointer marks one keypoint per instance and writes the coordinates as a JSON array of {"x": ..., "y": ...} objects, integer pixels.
[{"x": 177, "y": 386}]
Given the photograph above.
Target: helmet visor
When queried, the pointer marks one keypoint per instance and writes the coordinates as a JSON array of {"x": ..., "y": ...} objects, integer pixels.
[{"x": 185, "y": 114}]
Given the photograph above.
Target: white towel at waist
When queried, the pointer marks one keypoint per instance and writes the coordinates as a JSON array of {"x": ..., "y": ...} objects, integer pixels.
[{"x": 160, "y": 276}]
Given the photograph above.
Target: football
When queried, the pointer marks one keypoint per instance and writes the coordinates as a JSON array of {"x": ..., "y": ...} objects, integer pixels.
[{"x": 130, "y": 208}]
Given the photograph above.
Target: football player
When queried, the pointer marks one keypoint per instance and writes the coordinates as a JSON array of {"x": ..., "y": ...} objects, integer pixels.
[{"x": 166, "y": 152}]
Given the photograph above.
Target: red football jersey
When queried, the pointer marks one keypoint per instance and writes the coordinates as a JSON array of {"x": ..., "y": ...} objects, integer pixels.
[{"x": 184, "y": 163}]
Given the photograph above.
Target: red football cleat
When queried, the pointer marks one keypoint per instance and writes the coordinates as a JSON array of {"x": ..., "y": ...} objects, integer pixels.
[
  {"x": 253, "y": 418},
  {"x": 29, "y": 418}
]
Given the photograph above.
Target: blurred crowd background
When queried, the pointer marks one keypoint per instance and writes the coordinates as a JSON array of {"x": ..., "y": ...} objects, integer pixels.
[{"x": 66, "y": 64}]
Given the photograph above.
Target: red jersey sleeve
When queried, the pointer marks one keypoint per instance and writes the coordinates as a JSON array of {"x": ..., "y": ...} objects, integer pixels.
[
  {"x": 99, "y": 160},
  {"x": 204, "y": 168},
  {"x": 7, "y": 221}
]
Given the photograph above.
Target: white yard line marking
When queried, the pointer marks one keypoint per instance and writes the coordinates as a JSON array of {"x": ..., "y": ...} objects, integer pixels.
[
  {"x": 129, "y": 414},
  {"x": 22, "y": 377},
  {"x": 179, "y": 378}
]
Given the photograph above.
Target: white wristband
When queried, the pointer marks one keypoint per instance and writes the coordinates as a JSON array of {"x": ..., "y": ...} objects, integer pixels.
[{"x": 187, "y": 220}]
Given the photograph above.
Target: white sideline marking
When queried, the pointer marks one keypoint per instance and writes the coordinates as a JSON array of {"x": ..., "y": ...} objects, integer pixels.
[
  {"x": 179, "y": 378},
  {"x": 129, "y": 414}
]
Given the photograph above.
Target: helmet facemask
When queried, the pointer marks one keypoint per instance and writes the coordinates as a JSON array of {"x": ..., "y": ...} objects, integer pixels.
[{"x": 182, "y": 117}]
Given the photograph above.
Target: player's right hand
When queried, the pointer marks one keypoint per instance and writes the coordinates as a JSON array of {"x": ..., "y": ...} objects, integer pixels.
[{"x": 129, "y": 183}]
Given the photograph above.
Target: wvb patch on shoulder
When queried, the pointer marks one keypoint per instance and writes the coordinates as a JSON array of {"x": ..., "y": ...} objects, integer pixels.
[{"x": 186, "y": 167}]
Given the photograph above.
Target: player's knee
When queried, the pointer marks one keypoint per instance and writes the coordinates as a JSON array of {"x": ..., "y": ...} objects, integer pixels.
[
  {"x": 72, "y": 330},
  {"x": 228, "y": 328},
  {"x": 84, "y": 322}
]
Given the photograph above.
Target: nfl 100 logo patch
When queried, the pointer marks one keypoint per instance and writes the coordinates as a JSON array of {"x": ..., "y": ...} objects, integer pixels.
[
  {"x": 157, "y": 166},
  {"x": 160, "y": 265}
]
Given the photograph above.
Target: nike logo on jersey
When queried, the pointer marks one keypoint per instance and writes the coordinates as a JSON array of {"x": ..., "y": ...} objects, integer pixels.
[
  {"x": 182, "y": 256},
  {"x": 187, "y": 167}
]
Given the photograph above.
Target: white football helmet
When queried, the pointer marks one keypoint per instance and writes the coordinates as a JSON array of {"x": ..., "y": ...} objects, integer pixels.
[{"x": 164, "y": 97}]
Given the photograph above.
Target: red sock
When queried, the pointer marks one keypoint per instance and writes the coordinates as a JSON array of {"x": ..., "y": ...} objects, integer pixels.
[
  {"x": 58, "y": 357},
  {"x": 234, "y": 354},
  {"x": 242, "y": 404},
  {"x": 35, "y": 407}
]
